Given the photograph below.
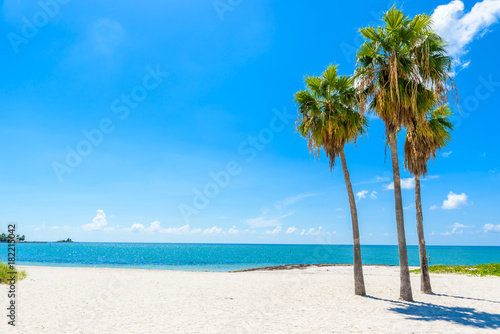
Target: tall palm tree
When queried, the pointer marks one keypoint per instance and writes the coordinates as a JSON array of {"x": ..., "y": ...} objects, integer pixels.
[
  {"x": 328, "y": 119},
  {"x": 421, "y": 145},
  {"x": 402, "y": 70}
]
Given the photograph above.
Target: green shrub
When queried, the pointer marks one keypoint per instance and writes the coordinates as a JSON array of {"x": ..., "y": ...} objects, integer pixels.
[
  {"x": 5, "y": 273},
  {"x": 490, "y": 269}
]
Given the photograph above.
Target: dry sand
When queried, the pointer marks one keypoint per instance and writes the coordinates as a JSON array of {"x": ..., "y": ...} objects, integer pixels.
[{"x": 312, "y": 300}]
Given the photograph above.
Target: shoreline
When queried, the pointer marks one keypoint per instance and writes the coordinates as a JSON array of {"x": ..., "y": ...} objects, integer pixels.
[{"x": 253, "y": 269}]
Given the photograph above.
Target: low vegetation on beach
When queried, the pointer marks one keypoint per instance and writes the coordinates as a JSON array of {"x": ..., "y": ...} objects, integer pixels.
[
  {"x": 489, "y": 269},
  {"x": 6, "y": 273}
]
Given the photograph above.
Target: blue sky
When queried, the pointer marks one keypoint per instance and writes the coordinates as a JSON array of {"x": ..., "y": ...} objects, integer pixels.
[{"x": 115, "y": 118}]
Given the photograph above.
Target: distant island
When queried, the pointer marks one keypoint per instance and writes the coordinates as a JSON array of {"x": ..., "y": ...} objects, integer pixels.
[
  {"x": 67, "y": 240},
  {"x": 21, "y": 238},
  {"x": 5, "y": 238}
]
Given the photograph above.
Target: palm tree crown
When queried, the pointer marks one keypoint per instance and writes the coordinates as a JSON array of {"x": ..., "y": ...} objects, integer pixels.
[
  {"x": 327, "y": 113},
  {"x": 423, "y": 142},
  {"x": 403, "y": 69}
]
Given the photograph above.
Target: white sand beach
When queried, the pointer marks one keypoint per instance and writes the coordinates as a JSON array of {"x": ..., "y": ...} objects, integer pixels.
[{"x": 312, "y": 300}]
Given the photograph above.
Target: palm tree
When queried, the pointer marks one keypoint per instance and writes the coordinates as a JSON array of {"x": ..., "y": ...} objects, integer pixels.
[
  {"x": 328, "y": 119},
  {"x": 402, "y": 70},
  {"x": 421, "y": 144}
]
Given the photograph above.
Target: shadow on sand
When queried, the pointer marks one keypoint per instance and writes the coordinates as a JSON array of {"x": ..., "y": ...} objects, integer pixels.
[
  {"x": 469, "y": 298},
  {"x": 466, "y": 316}
]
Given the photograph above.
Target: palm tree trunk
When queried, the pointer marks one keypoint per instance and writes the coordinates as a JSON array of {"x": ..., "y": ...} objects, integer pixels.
[
  {"x": 359, "y": 282},
  {"x": 425, "y": 280},
  {"x": 405, "y": 288}
]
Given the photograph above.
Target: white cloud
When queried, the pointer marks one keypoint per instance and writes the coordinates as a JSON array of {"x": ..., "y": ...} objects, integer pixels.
[
  {"x": 154, "y": 227},
  {"x": 185, "y": 229},
  {"x": 408, "y": 207},
  {"x": 362, "y": 194},
  {"x": 373, "y": 195},
  {"x": 98, "y": 222},
  {"x": 408, "y": 183},
  {"x": 213, "y": 230},
  {"x": 491, "y": 228},
  {"x": 434, "y": 207},
  {"x": 455, "y": 201},
  {"x": 263, "y": 222},
  {"x": 459, "y": 29},
  {"x": 135, "y": 228},
  {"x": 313, "y": 231},
  {"x": 277, "y": 230},
  {"x": 292, "y": 200},
  {"x": 291, "y": 230},
  {"x": 457, "y": 229},
  {"x": 233, "y": 230},
  {"x": 446, "y": 154}
]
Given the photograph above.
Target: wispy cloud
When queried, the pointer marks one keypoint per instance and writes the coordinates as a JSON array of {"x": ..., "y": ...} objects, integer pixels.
[
  {"x": 376, "y": 179},
  {"x": 313, "y": 231},
  {"x": 155, "y": 227},
  {"x": 446, "y": 154},
  {"x": 213, "y": 230},
  {"x": 292, "y": 200},
  {"x": 136, "y": 227},
  {"x": 233, "y": 230},
  {"x": 106, "y": 35},
  {"x": 43, "y": 227},
  {"x": 262, "y": 221},
  {"x": 408, "y": 207},
  {"x": 491, "y": 228},
  {"x": 291, "y": 230},
  {"x": 276, "y": 231},
  {"x": 457, "y": 229},
  {"x": 364, "y": 193},
  {"x": 459, "y": 28},
  {"x": 408, "y": 183},
  {"x": 361, "y": 194}
]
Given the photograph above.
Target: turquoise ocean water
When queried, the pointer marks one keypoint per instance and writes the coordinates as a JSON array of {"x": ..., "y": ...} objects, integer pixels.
[{"x": 227, "y": 257}]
